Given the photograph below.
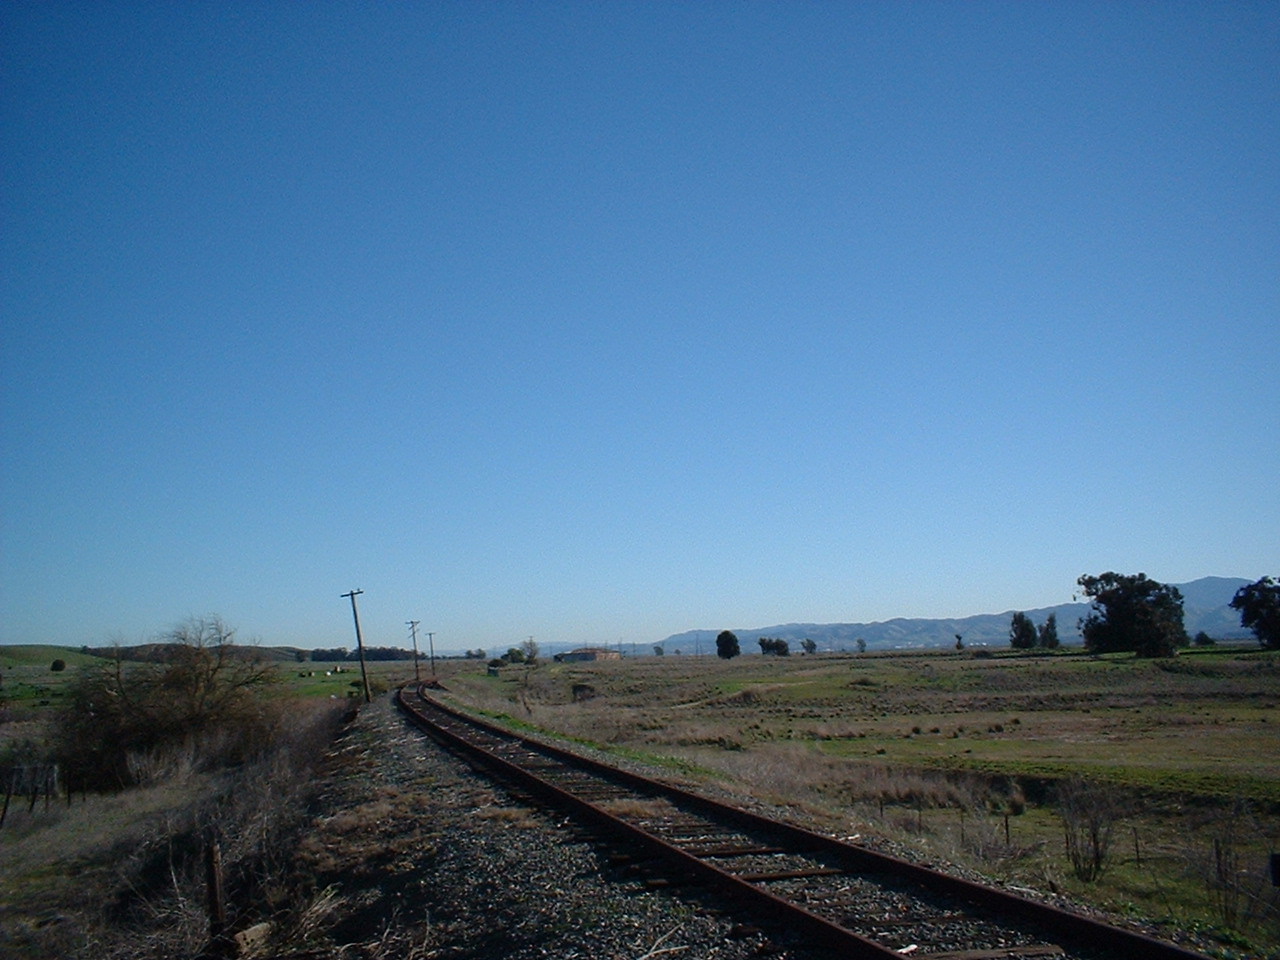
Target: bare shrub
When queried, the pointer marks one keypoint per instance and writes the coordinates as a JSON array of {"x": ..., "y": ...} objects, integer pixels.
[
  {"x": 1236, "y": 884},
  {"x": 987, "y": 838},
  {"x": 122, "y": 718},
  {"x": 1089, "y": 814}
]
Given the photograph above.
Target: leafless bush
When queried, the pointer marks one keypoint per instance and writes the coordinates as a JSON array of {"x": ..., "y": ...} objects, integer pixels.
[
  {"x": 1237, "y": 885},
  {"x": 987, "y": 838},
  {"x": 1089, "y": 814},
  {"x": 123, "y": 719}
]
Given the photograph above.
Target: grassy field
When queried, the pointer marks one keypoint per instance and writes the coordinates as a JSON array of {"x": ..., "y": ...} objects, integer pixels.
[
  {"x": 962, "y": 756},
  {"x": 30, "y": 690},
  {"x": 952, "y": 756}
]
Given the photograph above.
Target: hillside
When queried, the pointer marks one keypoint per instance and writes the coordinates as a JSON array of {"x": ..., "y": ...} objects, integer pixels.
[
  {"x": 163, "y": 652},
  {"x": 1205, "y": 607},
  {"x": 36, "y": 655}
]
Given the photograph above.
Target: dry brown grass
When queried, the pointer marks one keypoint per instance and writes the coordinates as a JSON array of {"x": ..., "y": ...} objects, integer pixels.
[{"x": 122, "y": 874}]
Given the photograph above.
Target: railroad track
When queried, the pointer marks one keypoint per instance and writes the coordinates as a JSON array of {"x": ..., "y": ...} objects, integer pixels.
[{"x": 834, "y": 894}]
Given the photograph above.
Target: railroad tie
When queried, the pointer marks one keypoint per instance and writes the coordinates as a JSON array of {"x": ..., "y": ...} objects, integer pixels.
[
  {"x": 1002, "y": 953},
  {"x": 790, "y": 874}
]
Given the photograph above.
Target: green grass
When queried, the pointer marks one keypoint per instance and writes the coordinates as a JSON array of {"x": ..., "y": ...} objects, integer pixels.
[{"x": 40, "y": 655}]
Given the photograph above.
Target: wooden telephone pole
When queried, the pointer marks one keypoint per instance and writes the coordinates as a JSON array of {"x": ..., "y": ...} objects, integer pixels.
[
  {"x": 364, "y": 674},
  {"x": 413, "y": 630}
]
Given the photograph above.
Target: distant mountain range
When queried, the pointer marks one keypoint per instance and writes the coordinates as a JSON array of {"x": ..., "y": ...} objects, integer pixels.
[{"x": 1205, "y": 606}]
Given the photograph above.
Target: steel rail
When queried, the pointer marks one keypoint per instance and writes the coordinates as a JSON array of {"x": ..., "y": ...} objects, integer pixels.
[{"x": 1081, "y": 930}]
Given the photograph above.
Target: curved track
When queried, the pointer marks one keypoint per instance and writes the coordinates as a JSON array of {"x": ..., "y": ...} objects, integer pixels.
[{"x": 835, "y": 894}]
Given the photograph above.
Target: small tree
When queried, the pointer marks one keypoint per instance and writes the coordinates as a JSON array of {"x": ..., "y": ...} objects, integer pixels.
[
  {"x": 530, "y": 650},
  {"x": 726, "y": 645},
  {"x": 514, "y": 655},
  {"x": 808, "y": 646},
  {"x": 58, "y": 665},
  {"x": 959, "y": 642},
  {"x": 204, "y": 693},
  {"x": 1049, "y": 633},
  {"x": 861, "y": 645},
  {"x": 658, "y": 650},
  {"x": 1259, "y": 606},
  {"x": 1132, "y": 613},
  {"x": 1022, "y": 632},
  {"x": 775, "y": 648}
]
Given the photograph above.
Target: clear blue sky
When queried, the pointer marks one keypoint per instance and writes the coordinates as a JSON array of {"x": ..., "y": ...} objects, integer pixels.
[{"x": 601, "y": 321}]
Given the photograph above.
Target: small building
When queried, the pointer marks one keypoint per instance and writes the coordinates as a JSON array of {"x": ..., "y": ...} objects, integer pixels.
[{"x": 587, "y": 653}]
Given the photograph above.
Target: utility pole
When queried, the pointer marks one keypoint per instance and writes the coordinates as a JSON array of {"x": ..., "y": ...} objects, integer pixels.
[
  {"x": 432, "y": 642},
  {"x": 413, "y": 629},
  {"x": 355, "y": 614}
]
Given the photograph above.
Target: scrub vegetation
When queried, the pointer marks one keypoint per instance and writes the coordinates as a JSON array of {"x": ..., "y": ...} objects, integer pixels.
[{"x": 121, "y": 779}]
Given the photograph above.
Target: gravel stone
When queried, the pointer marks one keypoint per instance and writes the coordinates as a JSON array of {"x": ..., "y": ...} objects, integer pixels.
[{"x": 421, "y": 856}]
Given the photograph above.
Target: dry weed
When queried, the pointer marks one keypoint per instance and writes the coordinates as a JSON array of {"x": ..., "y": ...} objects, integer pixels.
[
  {"x": 1238, "y": 888},
  {"x": 1089, "y": 813},
  {"x": 124, "y": 872},
  {"x": 520, "y": 817}
]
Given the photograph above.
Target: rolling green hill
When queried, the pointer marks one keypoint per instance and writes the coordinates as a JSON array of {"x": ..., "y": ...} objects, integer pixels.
[{"x": 36, "y": 654}]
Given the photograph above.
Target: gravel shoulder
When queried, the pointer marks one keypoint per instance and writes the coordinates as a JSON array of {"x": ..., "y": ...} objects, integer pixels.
[{"x": 413, "y": 854}]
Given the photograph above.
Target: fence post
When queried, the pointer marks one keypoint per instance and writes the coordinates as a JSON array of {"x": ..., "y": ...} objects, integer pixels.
[
  {"x": 8, "y": 795},
  {"x": 217, "y": 906}
]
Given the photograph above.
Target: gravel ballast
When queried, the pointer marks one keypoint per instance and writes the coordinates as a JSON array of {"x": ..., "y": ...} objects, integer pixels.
[{"x": 414, "y": 854}]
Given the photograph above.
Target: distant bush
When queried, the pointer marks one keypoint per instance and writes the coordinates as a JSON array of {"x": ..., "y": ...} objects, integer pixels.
[{"x": 58, "y": 665}]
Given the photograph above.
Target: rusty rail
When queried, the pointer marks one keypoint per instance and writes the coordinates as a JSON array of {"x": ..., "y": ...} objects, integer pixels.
[{"x": 447, "y": 725}]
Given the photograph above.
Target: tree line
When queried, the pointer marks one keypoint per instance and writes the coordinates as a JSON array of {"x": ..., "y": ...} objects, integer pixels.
[
  {"x": 1129, "y": 613},
  {"x": 342, "y": 654},
  {"x": 1133, "y": 613},
  {"x": 728, "y": 647},
  {"x": 1024, "y": 635}
]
